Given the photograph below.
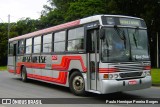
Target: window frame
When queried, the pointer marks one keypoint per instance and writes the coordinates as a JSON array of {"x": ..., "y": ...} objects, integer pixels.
[
  {"x": 51, "y": 43},
  {"x": 33, "y": 45},
  {"x": 84, "y": 40},
  {"x": 24, "y": 47},
  {"x": 29, "y": 45}
]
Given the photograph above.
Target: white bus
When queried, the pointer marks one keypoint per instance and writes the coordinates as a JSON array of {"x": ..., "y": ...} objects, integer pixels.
[{"x": 100, "y": 54}]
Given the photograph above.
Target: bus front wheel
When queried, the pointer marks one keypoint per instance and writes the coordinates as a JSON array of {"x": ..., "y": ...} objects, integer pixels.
[
  {"x": 76, "y": 83},
  {"x": 24, "y": 74}
]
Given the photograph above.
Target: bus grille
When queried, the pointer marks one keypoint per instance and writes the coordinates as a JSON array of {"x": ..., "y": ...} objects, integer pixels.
[
  {"x": 127, "y": 68},
  {"x": 130, "y": 69},
  {"x": 131, "y": 74}
]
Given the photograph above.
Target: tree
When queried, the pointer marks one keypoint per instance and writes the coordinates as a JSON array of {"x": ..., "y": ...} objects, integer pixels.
[
  {"x": 84, "y": 8},
  {"x": 25, "y": 26},
  {"x": 3, "y": 43},
  {"x": 21, "y": 27}
]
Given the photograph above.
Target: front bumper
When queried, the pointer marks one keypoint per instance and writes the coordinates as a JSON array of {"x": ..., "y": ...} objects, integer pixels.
[{"x": 110, "y": 86}]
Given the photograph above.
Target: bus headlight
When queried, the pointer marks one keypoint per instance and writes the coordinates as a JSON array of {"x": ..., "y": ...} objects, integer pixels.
[
  {"x": 146, "y": 73},
  {"x": 110, "y": 76},
  {"x": 113, "y": 76},
  {"x": 116, "y": 76}
]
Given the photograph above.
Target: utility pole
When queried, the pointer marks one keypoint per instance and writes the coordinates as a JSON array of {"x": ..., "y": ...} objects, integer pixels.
[
  {"x": 8, "y": 31},
  {"x": 8, "y": 27},
  {"x": 157, "y": 51}
]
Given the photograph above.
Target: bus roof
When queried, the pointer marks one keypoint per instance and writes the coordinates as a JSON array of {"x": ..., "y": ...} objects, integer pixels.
[{"x": 66, "y": 25}]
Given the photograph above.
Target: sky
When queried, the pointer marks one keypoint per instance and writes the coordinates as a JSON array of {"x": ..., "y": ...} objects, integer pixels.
[{"x": 20, "y": 9}]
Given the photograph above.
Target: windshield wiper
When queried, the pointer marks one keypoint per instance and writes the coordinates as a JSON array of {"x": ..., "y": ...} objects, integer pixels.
[
  {"x": 135, "y": 40},
  {"x": 134, "y": 37},
  {"x": 121, "y": 35}
]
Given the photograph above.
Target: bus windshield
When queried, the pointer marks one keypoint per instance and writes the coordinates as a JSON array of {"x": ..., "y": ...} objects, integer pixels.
[{"x": 124, "y": 44}]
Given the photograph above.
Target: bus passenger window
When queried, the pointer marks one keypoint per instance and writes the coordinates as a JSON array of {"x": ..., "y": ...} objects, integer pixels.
[
  {"x": 76, "y": 39},
  {"x": 29, "y": 46},
  {"x": 37, "y": 45},
  {"x": 47, "y": 43},
  {"x": 59, "y": 41},
  {"x": 21, "y": 47}
]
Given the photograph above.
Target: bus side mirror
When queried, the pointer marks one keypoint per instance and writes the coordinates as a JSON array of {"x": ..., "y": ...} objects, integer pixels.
[{"x": 102, "y": 33}]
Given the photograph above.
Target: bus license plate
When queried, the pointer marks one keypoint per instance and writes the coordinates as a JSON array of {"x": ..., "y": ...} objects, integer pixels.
[{"x": 132, "y": 82}]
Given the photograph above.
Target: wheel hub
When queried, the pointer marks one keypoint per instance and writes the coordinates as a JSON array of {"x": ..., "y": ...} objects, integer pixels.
[{"x": 78, "y": 83}]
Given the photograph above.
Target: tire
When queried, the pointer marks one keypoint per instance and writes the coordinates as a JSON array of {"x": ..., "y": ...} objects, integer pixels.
[
  {"x": 77, "y": 84},
  {"x": 24, "y": 74}
]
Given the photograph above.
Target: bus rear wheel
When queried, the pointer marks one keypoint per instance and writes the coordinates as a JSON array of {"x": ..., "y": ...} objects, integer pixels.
[
  {"x": 24, "y": 74},
  {"x": 77, "y": 84}
]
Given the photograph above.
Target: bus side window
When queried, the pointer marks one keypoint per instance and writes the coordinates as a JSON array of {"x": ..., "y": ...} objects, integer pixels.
[
  {"x": 47, "y": 43},
  {"x": 21, "y": 47},
  {"x": 76, "y": 39},
  {"x": 59, "y": 41},
  {"x": 28, "y": 46}
]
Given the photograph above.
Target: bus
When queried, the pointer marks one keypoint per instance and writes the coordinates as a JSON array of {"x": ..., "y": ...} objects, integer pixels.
[{"x": 99, "y": 54}]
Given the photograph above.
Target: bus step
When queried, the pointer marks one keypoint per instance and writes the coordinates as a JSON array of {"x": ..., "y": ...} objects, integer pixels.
[{"x": 94, "y": 91}]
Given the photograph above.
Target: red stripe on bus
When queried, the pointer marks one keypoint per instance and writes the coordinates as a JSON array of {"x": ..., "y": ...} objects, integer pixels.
[
  {"x": 64, "y": 65},
  {"x": 32, "y": 65},
  {"x": 62, "y": 78},
  {"x": 107, "y": 70},
  {"x": 147, "y": 68},
  {"x": 11, "y": 71}
]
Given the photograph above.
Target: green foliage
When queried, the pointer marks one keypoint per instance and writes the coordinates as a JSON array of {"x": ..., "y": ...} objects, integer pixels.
[
  {"x": 21, "y": 27},
  {"x": 84, "y": 8},
  {"x": 60, "y": 11},
  {"x": 3, "y": 44},
  {"x": 3, "y": 68},
  {"x": 155, "y": 76},
  {"x": 53, "y": 18},
  {"x": 25, "y": 26}
]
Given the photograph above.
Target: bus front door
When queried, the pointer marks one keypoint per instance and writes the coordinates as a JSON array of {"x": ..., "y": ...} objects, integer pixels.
[{"x": 92, "y": 54}]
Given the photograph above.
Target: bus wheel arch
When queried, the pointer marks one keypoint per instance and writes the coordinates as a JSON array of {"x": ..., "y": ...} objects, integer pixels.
[{"x": 76, "y": 82}]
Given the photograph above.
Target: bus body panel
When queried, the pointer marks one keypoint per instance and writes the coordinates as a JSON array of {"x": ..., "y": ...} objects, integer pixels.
[
  {"x": 53, "y": 70},
  {"x": 110, "y": 86},
  {"x": 11, "y": 64}
]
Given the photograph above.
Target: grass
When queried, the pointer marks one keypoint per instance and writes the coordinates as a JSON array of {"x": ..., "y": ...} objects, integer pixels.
[
  {"x": 3, "y": 68},
  {"x": 155, "y": 76}
]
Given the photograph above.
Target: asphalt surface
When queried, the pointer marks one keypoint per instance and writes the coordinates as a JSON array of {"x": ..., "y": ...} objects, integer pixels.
[{"x": 11, "y": 86}]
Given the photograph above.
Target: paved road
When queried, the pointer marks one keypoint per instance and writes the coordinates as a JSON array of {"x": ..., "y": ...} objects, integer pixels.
[{"x": 12, "y": 87}]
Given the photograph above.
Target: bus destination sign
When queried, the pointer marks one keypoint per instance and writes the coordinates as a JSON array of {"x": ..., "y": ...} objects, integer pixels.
[
  {"x": 123, "y": 21},
  {"x": 129, "y": 22}
]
